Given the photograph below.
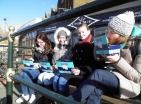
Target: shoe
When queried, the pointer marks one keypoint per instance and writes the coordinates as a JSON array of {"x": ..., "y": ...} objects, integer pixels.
[
  {"x": 21, "y": 99},
  {"x": 32, "y": 99},
  {"x": 32, "y": 102}
]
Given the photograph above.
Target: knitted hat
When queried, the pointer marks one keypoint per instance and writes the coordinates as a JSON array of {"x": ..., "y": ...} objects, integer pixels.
[
  {"x": 62, "y": 32},
  {"x": 122, "y": 23}
]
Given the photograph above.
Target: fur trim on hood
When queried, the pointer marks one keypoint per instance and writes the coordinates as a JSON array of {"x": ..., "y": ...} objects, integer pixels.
[{"x": 56, "y": 35}]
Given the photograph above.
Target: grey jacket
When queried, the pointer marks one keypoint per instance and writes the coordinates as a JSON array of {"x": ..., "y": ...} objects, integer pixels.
[
  {"x": 128, "y": 71},
  {"x": 65, "y": 51}
]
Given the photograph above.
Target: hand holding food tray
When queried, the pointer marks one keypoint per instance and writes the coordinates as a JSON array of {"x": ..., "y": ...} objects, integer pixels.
[{"x": 45, "y": 66}]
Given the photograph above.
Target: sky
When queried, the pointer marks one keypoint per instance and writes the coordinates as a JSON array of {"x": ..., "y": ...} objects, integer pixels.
[{"x": 19, "y": 12}]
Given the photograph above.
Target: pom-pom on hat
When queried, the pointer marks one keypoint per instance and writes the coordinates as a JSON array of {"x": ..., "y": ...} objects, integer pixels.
[{"x": 122, "y": 23}]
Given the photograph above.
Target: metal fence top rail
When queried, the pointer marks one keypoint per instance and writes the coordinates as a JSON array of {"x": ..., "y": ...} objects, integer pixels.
[
  {"x": 26, "y": 47},
  {"x": 82, "y": 10}
]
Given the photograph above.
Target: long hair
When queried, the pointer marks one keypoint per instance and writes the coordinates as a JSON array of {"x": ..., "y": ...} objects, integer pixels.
[
  {"x": 43, "y": 36},
  {"x": 122, "y": 39}
]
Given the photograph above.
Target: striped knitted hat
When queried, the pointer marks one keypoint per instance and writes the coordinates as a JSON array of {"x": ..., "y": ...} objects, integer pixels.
[{"x": 122, "y": 23}]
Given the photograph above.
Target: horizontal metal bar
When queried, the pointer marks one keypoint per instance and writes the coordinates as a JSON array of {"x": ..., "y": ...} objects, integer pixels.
[
  {"x": 17, "y": 46},
  {"x": 82, "y": 10},
  {"x": 2, "y": 71},
  {"x": 13, "y": 63}
]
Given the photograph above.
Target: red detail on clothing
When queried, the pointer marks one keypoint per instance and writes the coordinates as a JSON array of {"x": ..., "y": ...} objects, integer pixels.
[{"x": 86, "y": 41}]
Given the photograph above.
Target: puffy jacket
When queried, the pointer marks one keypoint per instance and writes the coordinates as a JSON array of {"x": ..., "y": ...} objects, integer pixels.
[{"x": 128, "y": 70}]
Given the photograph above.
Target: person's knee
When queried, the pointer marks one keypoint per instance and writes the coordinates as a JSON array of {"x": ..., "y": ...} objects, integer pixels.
[
  {"x": 40, "y": 78},
  {"x": 63, "y": 84},
  {"x": 62, "y": 81},
  {"x": 97, "y": 72},
  {"x": 21, "y": 74},
  {"x": 48, "y": 82},
  {"x": 48, "y": 79},
  {"x": 98, "y": 75},
  {"x": 56, "y": 78},
  {"x": 25, "y": 76}
]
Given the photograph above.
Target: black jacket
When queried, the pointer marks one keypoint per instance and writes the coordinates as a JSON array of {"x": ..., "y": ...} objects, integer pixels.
[{"x": 83, "y": 58}]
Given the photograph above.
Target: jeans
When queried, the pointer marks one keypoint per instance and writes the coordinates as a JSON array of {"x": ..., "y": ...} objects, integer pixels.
[
  {"x": 28, "y": 75},
  {"x": 46, "y": 78},
  {"x": 98, "y": 83},
  {"x": 60, "y": 83}
]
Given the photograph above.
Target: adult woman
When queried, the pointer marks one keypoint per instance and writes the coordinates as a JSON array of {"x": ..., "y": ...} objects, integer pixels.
[
  {"x": 62, "y": 51},
  {"x": 123, "y": 79},
  {"x": 43, "y": 51},
  {"x": 83, "y": 61}
]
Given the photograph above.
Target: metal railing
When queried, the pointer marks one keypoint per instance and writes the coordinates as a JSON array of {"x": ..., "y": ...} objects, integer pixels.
[{"x": 10, "y": 73}]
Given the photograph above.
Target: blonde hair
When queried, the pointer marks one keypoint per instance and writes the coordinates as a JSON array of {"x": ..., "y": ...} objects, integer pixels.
[
  {"x": 122, "y": 39},
  {"x": 83, "y": 24}
]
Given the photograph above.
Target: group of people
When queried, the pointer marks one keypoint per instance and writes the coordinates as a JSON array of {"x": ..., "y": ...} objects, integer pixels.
[{"x": 93, "y": 77}]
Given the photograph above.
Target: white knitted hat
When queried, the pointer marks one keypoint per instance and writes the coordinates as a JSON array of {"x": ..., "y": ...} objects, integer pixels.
[{"x": 122, "y": 23}]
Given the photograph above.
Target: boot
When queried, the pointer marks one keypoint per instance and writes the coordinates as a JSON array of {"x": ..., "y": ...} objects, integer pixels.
[
  {"x": 64, "y": 93},
  {"x": 46, "y": 100}
]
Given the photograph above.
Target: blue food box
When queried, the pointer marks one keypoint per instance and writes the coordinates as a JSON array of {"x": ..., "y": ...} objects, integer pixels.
[
  {"x": 102, "y": 46},
  {"x": 28, "y": 64},
  {"x": 65, "y": 66},
  {"x": 45, "y": 66}
]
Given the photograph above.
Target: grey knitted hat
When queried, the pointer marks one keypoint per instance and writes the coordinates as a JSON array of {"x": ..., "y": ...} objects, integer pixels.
[
  {"x": 62, "y": 32},
  {"x": 122, "y": 23}
]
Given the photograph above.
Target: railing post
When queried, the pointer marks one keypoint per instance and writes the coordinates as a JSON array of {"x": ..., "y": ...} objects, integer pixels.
[
  {"x": 9, "y": 87},
  {"x": 0, "y": 56},
  {"x": 32, "y": 50}
]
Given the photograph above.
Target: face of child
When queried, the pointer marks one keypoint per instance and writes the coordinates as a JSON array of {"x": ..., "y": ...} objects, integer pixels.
[
  {"x": 112, "y": 36},
  {"x": 62, "y": 39},
  {"x": 40, "y": 42},
  {"x": 83, "y": 32}
]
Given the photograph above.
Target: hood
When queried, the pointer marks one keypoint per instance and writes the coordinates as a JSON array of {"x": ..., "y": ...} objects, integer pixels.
[
  {"x": 68, "y": 35},
  {"x": 136, "y": 32}
]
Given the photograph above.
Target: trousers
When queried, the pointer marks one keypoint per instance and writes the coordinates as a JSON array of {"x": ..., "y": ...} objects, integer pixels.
[
  {"x": 98, "y": 83},
  {"x": 30, "y": 76}
]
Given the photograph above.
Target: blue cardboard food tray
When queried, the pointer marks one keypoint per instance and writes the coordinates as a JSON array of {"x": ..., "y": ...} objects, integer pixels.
[
  {"x": 65, "y": 66},
  {"x": 28, "y": 64},
  {"x": 45, "y": 66},
  {"x": 102, "y": 46}
]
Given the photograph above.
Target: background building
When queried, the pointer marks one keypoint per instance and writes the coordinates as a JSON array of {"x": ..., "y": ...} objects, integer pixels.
[
  {"x": 65, "y": 5},
  {"x": 62, "y": 6}
]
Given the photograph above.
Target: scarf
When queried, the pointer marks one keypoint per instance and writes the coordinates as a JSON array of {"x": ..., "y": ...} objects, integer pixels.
[
  {"x": 40, "y": 49},
  {"x": 85, "y": 41}
]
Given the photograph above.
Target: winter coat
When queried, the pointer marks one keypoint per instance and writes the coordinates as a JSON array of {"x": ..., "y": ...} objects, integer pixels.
[
  {"x": 83, "y": 58},
  {"x": 128, "y": 70},
  {"x": 64, "y": 51}
]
